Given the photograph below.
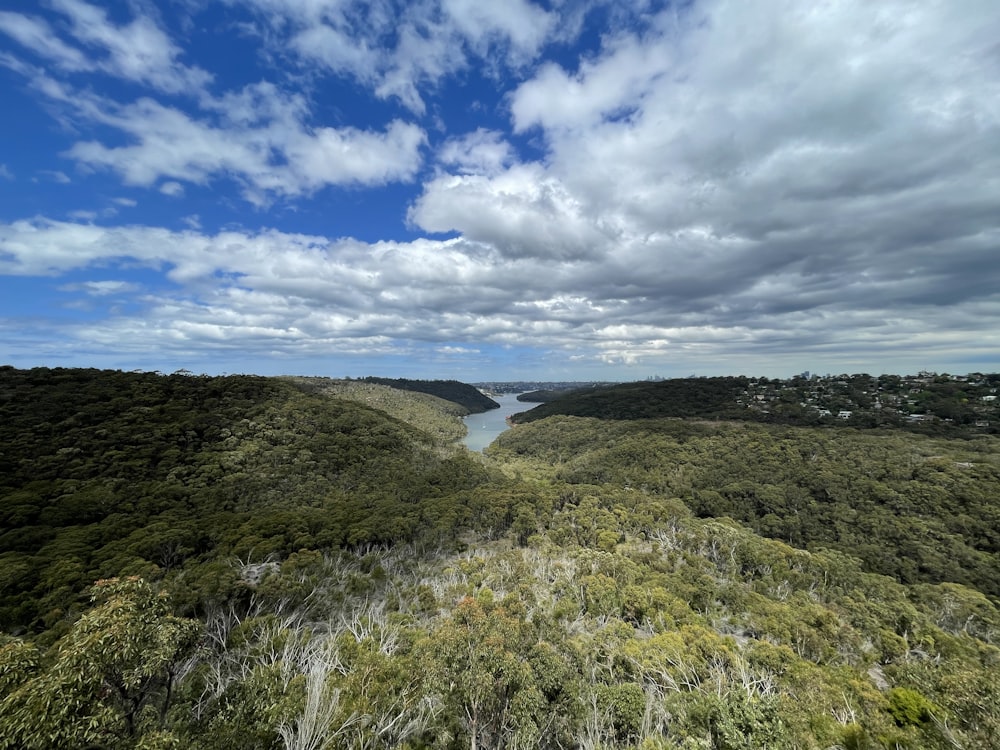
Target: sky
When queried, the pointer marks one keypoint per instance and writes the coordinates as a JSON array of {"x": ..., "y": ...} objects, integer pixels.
[{"x": 503, "y": 189}]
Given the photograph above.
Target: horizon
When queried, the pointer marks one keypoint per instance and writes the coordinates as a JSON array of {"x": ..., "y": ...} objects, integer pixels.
[
  {"x": 550, "y": 191},
  {"x": 513, "y": 380}
]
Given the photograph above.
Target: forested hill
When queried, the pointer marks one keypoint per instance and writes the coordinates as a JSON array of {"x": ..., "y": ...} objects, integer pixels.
[
  {"x": 432, "y": 414},
  {"x": 921, "y": 509},
  {"x": 681, "y": 397},
  {"x": 928, "y": 403},
  {"x": 107, "y": 472},
  {"x": 450, "y": 390}
]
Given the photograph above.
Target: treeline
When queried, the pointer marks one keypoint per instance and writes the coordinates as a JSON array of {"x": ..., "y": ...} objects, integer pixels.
[
  {"x": 450, "y": 390},
  {"x": 680, "y": 397},
  {"x": 934, "y": 406},
  {"x": 431, "y": 414},
  {"x": 544, "y": 396}
]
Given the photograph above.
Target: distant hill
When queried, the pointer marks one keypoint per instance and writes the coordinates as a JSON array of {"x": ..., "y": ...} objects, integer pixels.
[
  {"x": 450, "y": 390},
  {"x": 432, "y": 414},
  {"x": 681, "y": 397},
  {"x": 545, "y": 395}
]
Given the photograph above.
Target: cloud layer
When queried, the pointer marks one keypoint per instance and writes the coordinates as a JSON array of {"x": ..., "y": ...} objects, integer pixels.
[{"x": 714, "y": 189}]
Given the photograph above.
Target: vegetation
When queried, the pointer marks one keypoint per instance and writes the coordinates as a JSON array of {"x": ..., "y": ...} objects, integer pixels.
[
  {"x": 278, "y": 564},
  {"x": 917, "y": 508},
  {"x": 690, "y": 397},
  {"x": 432, "y": 414},
  {"x": 927, "y": 403},
  {"x": 449, "y": 390}
]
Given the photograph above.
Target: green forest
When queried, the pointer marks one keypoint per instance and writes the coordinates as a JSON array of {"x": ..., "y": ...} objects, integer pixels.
[{"x": 308, "y": 563}]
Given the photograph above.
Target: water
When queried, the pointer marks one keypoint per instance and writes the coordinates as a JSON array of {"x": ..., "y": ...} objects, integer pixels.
[{"x": 484, "y": 428}]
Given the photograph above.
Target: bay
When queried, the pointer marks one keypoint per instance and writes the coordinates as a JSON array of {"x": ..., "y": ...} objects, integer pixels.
[{"x": 484, "y": 428}]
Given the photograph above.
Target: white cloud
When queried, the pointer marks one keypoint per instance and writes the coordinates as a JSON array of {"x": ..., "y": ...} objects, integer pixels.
[
  {"x": 717, "y": 185},
  {"x": 56, "y": 176},
  {"x": 137, "y": 51},
  {"x": 35, "y": 34},
  {"x": 480, "y": 152},
  {"x": 5, "y": 172},
  {"x": 263, "y": 143},
  {"x": 270, "y": 293},
  {"x": 399, "y": 48},
  {"x": 104, "y": 288},
  {"x": 521, "y": 212},
  {"x": 521, "y": 24},
  {"x": 172, "y": 188}
]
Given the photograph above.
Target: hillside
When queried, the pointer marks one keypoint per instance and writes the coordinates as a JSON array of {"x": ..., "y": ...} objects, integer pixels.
[
  {"x": 925, "y": 403},
  {"x": 437, "y": 416},
  {"x": 450, "y": 390},
  {"x": 682, "y": 397},
  {"x": 918, "y": 508},
  {"x": 104, "y": 473},
  {"x": 277, "y": 566}
]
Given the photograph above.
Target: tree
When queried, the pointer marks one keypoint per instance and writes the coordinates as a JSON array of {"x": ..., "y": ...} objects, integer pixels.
[
  {"x": 480, "y": 667},
  {"x": 112, "y": 679}
]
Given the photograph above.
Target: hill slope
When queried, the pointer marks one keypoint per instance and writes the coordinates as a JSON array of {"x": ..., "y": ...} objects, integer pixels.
[
  {"x": 680, "y": 397},
  {"x": 103, "y": 473},
  {"x": 918, "y": 508},
  {"x": 451, "y": 390}
]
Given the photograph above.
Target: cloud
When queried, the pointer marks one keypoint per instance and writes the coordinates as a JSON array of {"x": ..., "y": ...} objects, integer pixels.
[
  {"x": 56, "y": 176},
  {"x": 5, "y": 172},
  {"x": 35, "y": 34},
  {"x": 521, "y": 212},
  {"x": 172, "y": 188},
  {"x": 711, "y": 185},
  {"x": 400, "y": 48},
  {"x": 480, "y": 152},
  {"x": 269, "y": 293},
  {"x": 104, "y": 288},
  {"x": 263, "y": 136},
  {"x": 138, "y": 51},
  {"x": 262, "y": 142}
]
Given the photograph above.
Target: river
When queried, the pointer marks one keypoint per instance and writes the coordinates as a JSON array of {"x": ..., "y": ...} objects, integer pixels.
[{"x": 484, "y": 428}]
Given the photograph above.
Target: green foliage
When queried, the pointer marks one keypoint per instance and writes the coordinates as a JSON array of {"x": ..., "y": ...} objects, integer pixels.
[
  {"x": 462, "y": 394},
  {"x": 681, "y": 397},
  {"x": 353, "y": 580},
  {"x": 433, "y": 414},
  {"x": 477, "y": 662},
  {"x": 916, "y": 508},
  {"x": 909, "y": 708},
  {"x": 112, "y": 677},
  {"x": 113, "y": 473}
]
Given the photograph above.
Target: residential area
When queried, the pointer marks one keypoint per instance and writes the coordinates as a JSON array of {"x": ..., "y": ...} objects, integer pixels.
[{"x": 865, "y": 400}]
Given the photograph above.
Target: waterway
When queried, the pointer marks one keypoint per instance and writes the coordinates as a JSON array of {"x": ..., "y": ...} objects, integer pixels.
[{"x": 484, "y": 428}]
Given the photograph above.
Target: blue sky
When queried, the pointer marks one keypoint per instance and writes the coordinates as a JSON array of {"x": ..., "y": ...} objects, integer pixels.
[{"x": 563, "y": 190}]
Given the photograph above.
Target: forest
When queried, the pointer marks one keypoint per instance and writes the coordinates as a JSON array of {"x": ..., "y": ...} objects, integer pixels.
[{"x": 250, "y": 562}]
